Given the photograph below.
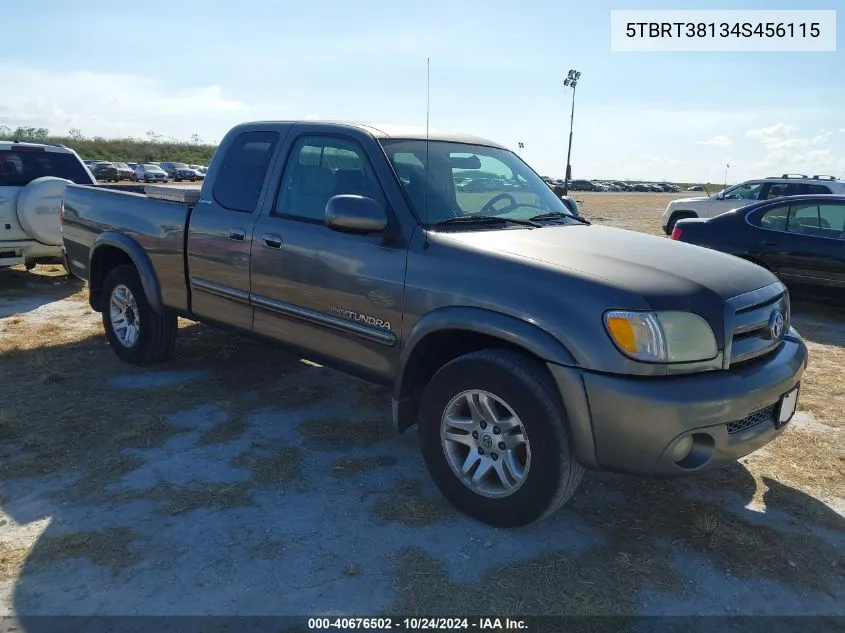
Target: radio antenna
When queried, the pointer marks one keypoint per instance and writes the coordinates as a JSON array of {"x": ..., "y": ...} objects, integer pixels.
[{"x": 427, "y": 115}]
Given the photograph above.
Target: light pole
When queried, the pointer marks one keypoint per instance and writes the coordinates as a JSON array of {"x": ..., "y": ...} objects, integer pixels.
[
  {"x": 570, "y": 82},
  {"x": 521, "y": 146},
  {"x": 727, "y": 166}
]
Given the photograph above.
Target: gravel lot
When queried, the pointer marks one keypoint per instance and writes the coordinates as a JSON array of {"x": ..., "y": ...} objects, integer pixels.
[{"x": 239, "y": 480}]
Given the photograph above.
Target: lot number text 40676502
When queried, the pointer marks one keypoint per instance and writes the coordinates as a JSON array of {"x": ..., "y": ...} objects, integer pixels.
[{"x": 418, "y": 624}]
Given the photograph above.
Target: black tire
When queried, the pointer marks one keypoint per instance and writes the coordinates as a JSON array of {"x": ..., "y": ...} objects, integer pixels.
[
  {"x": 156, "y": 332},
  {"x": 680, "y": 215},
  {"x": 517, "y": 379}
]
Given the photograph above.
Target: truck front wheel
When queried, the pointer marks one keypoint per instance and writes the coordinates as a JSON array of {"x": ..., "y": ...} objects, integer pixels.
[
  {"x": 136, "y": 333},
  {"x": 494, "y": 438}
]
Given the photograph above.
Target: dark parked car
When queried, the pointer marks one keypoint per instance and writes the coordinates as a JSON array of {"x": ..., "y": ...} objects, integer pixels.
[
  {"x": 106, "y": 171},
  {"x": 582, "y": 185},
  {"x": 801, "y": 239},
  {"x": 124, "y": 171}
]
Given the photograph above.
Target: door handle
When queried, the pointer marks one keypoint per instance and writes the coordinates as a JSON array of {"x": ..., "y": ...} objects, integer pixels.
[
  {"x": 272, "y": 240},
  {"x": 237, "y": 234}
]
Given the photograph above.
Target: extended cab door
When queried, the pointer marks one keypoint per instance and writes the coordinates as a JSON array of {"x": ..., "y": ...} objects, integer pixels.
[
  {"x": 221, "y": 224},
  {"x": 335, "y": 295}
]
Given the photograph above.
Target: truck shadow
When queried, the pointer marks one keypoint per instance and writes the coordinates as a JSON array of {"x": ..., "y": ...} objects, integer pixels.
[
  {"x": 820, "y": 322},
  {"x": 22, "y": 291},
  {"x": 216, "y": 484}
]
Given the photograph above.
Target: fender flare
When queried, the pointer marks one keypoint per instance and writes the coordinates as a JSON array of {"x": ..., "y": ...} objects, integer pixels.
[
  {"x": 511, "y": 329},
  {"x": 139, "y": 257}
]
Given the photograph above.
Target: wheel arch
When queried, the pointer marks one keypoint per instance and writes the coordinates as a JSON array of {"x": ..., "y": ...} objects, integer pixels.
[
  {"x": 447, "y": 333},
  {"x": 115, "y": 249}
]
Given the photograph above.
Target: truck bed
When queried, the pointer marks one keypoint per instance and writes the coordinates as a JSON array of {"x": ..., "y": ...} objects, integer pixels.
[{"x": 91, "y": 215}]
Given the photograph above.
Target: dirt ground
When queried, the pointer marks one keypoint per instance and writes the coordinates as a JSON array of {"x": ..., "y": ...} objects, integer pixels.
[{"x": 236, "y": 479}]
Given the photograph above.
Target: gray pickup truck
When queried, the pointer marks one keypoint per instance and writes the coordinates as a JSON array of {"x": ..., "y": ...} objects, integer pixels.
[{"x": 524, "y": 342}]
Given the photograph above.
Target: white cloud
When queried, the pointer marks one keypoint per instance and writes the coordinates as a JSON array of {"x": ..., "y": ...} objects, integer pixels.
[
  {"x": 780, "y": 137},
  {"x": 717, "y": 141},
  {"x": 112, "y": 104}
]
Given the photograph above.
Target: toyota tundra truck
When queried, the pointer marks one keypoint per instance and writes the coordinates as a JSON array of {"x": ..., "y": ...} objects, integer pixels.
[{"x": 525, "y": 343}]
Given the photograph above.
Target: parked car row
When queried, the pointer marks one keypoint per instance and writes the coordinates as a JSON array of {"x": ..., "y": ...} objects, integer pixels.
[
  {"x": 109, "y": 171},
  {"x": 616, "y": 185}
]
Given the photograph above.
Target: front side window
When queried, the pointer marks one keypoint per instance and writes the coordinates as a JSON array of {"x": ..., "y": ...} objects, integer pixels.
[
  {"x": 445, "y": 180},
  {"x": 319, "y": 168},
  {"x": 241, "y": 175},
  {"x": 749, "y": 191}
]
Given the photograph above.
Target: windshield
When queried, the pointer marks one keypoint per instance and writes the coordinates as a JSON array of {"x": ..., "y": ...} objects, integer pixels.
[
  {"x": 180, "y": 166},
  {"x": 467, "y": 180},
  {"x": 153, "y": 168}
]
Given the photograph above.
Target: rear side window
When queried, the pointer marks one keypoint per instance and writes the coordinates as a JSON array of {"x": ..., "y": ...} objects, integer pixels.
[
  {"x": 20, "y": 167},
  {"x": 238, "y": 182}
]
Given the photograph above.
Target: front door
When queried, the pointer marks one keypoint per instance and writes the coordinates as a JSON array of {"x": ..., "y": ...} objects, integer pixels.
[
  {"x": 335, "y": 294},
  {"x": 813, "y": 251},
  {"x": 220, "y": 230}
]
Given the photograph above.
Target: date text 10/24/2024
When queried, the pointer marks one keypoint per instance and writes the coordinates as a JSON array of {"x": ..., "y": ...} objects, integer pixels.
[{"x": 418, "y": 624}]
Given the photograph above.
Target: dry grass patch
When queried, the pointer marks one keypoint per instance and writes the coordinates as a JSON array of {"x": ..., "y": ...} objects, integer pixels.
[
  {"x": 353, "y": 467},
  {"x": 111, "y": 548},
  {"x": 301, "y": 396},
  {"x": 12, "y": 559},
  {"x": 338, "y": 433},
  {"x": 283, "y": 468},
  {"x": 233, "y": 427},
  {"x": 651, "y": 512},
  {"x": 213, "y": 496},
  {"x": 598, "y": 582},
  {"x": 407, "y": 504}
]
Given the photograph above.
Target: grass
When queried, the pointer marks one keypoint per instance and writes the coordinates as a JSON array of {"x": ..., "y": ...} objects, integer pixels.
[
  {"x": 598, "y": 582},
  {"x": 407, "y": 504},
  {"x": 649, "y": 513},
  {"x": 285, "y": 467},
  {"x": 339, "y": 433},
  {"x": 353, "y": 467},
  {"x": 85, "y": 434},
  {"x": 110, "y": 548}
]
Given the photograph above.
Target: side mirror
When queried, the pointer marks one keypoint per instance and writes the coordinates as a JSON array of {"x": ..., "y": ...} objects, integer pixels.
[{"x": 355, "y": 214}]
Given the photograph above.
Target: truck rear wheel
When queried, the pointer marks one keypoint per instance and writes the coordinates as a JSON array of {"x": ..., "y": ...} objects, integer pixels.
[
  {"x": 136, "y": 333},
  {"x": 494, "y": 438}
]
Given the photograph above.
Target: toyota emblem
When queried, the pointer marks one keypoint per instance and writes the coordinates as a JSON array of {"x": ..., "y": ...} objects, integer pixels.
[{"x": 776, "y": 325}]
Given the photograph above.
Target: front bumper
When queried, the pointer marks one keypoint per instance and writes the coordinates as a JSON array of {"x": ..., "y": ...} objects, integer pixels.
[{"x": 632, "y": 424}]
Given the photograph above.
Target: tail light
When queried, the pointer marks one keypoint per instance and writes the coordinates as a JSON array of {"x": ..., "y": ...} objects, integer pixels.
[{"x": 676, "y": 233}]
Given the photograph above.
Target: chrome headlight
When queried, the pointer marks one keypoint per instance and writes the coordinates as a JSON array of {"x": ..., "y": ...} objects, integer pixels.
[{"x": 661, "y": 337}]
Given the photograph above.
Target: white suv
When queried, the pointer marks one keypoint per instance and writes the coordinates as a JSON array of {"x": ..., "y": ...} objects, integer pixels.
[
  {"x": 746, "y": 193},
  {"x": 33, "y": 177}
]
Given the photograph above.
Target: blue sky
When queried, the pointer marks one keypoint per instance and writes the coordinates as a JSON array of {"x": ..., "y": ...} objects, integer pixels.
[{"x": 496, "y": 71}]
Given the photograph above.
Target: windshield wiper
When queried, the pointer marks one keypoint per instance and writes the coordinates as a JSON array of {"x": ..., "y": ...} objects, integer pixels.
[
  {"x": 483, "y": 219},
  {"x": 557, "y": 215}
]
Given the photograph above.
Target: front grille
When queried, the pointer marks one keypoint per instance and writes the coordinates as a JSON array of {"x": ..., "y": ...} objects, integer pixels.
[
  {"x": 758, "y": 417},
  {"x": 748, "y": 322}
]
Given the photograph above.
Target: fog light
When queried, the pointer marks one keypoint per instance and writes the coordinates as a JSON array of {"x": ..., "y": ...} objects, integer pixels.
[{"x": 682, "y": 449}]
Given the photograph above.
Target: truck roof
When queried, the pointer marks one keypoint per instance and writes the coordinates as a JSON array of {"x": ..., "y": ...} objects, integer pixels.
[{"x": 390, "y": 130}]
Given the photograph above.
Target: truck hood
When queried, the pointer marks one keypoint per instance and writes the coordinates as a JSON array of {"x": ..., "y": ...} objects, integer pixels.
[{"x": 668, "y": 275}]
